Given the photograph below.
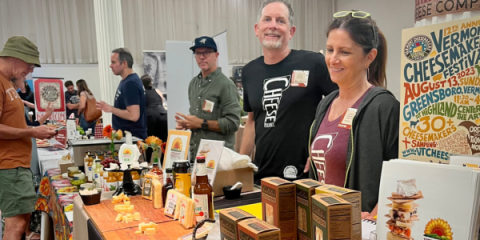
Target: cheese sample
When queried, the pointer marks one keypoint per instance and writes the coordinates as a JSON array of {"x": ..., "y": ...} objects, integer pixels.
[
  {"x": 172, "y": 206},
  {"x": 120, "y": 199},
  {"x": 138, "y": 232},
  {"x": 187, "y": 214},
  {"x": 150, "y": 231},
  {"x": 157, "y": 194},
  {"x": 126, "y": 202},
  {"x": 127, "y": 219},
  {"x": 119, "y": 217},
  {"x": 136, "y": 216},
  {"x": 123, "y": 208},
  {"x": 143, "y": 226}
]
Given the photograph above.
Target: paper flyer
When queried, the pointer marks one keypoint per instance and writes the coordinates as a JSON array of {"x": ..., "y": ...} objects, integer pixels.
[
  {"x": 424, "y": 201},
  {"x": 440, "y": 91},
  {"x": 178, "y": 143},
  {"x": 212, "y": 151}
]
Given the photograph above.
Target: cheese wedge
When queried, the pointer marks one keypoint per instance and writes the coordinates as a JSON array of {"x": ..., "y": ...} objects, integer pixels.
[
  {"x": 136, "y": 216},
  {"x": 150, "y": 231},
  {"x": 187, "y": 214},
  {"x": 157, "y": 194},
  {"x": 172, "y": 205}
]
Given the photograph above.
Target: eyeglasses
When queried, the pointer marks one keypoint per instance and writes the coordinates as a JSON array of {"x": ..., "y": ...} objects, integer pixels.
[
  {"x": 361, "y": 15},
  {"x": 32, "y": 66},
  {"x": 204, "y": 54}
]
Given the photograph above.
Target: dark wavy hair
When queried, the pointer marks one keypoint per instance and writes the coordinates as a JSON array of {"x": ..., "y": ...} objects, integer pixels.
[
  {"x": 147, "y": 81},
  {"x": 364, "y": 32}
]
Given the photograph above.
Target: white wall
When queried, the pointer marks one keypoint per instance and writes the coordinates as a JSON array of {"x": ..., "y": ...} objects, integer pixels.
[
  {"x": 391, "y": 16},
  {"x": 74, "y": 72}
]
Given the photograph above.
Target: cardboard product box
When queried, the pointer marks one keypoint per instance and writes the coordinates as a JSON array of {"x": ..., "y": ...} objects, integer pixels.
[
  {"x": 230, "y": 177},
  {"x": 255, "y": 229},
  {"x": 229, "y": 219},
  {"x": 279, "y": 205},
  {"x": 305, "y": 189},
  {"x": 331, "y": 217},
  {"x": 64, "y": 165},
  {"x": 352, "y": 196}
]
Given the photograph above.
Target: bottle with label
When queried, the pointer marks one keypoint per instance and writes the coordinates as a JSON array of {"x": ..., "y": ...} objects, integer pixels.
[
  {"x": 202, "y": 192},
  {"x": 168, "y": 184},
  {"x": 119, "y": 179},
  {"x": 104, "y": 180},
  {"x": 183, "y": 177},
  {"x": 156, "y": 168},
  {"x": 135, "y": 177},
  {"x": 98, "y": 173},
  {"x": 88, "y": 168},
  {"x": 111, "y": 183}
]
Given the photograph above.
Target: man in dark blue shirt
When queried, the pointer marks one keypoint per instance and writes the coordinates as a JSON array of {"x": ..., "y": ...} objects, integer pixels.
[{"x": 128, "y": 111}]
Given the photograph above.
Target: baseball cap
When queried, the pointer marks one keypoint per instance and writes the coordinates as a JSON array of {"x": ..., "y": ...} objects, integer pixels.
[
  {"x": 22, "y": 48},
  {"x": 205, "y": 42}
]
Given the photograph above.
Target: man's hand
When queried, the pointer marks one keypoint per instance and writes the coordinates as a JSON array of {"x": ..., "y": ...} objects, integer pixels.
[
  {"x": 104, "y": 106},
  {"x": 307, "y": 166},
  {"x": 179, "y": 126},
  {"x": 49, "y": 109},
  {"x": 188, "y": 122},
  {"x": 43, "y": 132}
]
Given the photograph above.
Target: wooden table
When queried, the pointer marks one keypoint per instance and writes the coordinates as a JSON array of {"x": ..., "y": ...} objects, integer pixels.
[{"x": 103, "y": 216}]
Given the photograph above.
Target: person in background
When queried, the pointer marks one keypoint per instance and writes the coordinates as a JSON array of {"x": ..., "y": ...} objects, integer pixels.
[
  {"x": 85, "y": 94},
  {"x": 350, "y": 154},
  {"x": 281, "y": 90},
  {"x": 72, "y": 100},
  {"x": 214, "y": 101},
  {"x": 18, "y": 58},
  {"x": 128, "y": 111},
  {"x": 24, "y": 88},
  {"x": 156, "y": 114},
  {"x": 28, "y": 98}
]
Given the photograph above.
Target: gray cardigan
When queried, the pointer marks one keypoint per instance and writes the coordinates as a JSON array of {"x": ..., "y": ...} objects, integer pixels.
[{"x": 373, "y": 139}]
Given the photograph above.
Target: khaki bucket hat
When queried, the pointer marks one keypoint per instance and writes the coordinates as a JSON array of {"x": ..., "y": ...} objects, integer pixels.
[{"x": 21, "y": 48}]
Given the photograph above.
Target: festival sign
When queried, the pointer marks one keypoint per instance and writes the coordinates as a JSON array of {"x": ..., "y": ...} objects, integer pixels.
[
  {"x": 432, "y": 8},
  {"x": 50, "y": 91},
  {"x": 440, "y": 91}
]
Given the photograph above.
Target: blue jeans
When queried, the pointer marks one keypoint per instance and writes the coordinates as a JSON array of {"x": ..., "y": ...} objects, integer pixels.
[{"x": 86, "y": 125}]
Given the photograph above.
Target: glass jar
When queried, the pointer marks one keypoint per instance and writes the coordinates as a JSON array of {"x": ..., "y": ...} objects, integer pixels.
[
  {"x": 72, "y": 171},
  {"x": 78, "y": 179}
]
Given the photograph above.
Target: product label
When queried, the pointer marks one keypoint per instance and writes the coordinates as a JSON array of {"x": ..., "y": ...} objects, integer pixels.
[
  {"x": 147, "y": 188},
  {"x": 171, "y": 203},
  {"x": 183, "y": 183},
  {"x": 111, "y": 186},
  {"x": 201, "y": 206},
  {"x": 98, "y": 179}
]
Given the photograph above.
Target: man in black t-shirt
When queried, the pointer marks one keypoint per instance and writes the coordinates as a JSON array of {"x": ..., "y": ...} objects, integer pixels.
[
  {"x": 72, "y": 99},
  {"x": 281, "y": 92}
]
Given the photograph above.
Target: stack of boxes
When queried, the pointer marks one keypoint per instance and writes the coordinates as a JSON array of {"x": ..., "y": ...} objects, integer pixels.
[{"x": 303, "y": 210}]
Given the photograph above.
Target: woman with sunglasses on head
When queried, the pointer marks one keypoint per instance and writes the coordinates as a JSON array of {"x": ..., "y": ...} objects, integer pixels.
[{"x": 356, "y": 127}]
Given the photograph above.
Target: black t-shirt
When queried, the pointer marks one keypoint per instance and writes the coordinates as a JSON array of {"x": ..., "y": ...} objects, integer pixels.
[
  {"x": 284, "y": 112},
  {"x": 130, "y": 92},
  {"x": 72, "y": 98}
]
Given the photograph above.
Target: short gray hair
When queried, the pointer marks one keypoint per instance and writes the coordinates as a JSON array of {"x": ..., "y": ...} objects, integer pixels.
[
  {"x": 286, "y": 3},
  {"x": 124, "y": 56}
]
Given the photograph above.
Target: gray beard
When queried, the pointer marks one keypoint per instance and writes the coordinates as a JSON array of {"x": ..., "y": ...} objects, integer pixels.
[{"x": 271, "y": 44}]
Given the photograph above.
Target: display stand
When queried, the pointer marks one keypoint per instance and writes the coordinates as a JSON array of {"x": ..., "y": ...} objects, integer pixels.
[{"x": 128, "y": 187}]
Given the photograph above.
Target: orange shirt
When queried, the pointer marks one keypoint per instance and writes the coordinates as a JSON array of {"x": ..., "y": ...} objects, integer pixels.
[{"x": 15, "y": 152}]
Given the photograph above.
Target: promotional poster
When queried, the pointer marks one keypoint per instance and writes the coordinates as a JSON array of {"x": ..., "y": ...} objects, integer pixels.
[
  {"x": 47, "y": 91},
  {"x": 440, "y": 91}
]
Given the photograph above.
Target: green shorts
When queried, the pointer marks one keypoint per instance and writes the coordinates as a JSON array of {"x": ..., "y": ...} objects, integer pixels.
[{"x": 17, "y": 193}]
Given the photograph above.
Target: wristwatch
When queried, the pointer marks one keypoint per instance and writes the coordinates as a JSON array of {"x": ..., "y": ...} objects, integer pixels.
[{"x": 205, "y": 124}]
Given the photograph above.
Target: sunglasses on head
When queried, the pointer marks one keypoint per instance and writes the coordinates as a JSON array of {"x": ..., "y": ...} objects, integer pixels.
[{"x": 361, "y": 15}]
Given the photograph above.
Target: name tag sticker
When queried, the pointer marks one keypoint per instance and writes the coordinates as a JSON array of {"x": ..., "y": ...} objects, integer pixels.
[
  {"x": 208, "y": 106},
  {"x": 347, "y": 119},
  {"x": 299, "y": 78}
]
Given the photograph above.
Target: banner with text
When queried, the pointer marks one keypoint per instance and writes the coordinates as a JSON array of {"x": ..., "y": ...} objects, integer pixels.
[
  {"x": 431, "y": 8},
  {"x": 440, "y": 91}
]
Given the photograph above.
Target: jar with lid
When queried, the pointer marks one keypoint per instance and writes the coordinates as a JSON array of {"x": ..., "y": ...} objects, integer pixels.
[
  {"x": 78, "y": 179},
  {"x": 100, "y": 155},
  {"x": 72, "y": 171},
  {"x": 183, "y": 177}
]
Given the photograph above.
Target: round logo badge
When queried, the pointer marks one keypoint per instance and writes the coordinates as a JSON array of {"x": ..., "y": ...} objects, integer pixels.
[
  {"x": 418, "y": 47},
  {"x": 290, "y": 172},
  {"x": 50, "y": 93}
]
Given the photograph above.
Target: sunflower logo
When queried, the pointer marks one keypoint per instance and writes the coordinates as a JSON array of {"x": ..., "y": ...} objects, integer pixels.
[{"x": 438, "y": 229}]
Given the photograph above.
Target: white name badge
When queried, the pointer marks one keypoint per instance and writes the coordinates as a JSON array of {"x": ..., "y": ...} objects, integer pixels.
[
  {"x": 208, "y": 106},
  {"x": 299, "y": 78},
  {"x": 347, "y": 118}
]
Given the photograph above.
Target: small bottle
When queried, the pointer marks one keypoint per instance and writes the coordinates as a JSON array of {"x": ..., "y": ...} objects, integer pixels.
[
  {"x": 156, "y": 169},
  {"x": 89, "y": 168},
  {"x": 119, "y": 179},
  {"x": 135, "y": 177},
  {"x": 104, "y": 181},
  {"x": 202, "y": 192},
  {"x": 111, "y": 183},
  {"x": 98, "y": 173},
  {"x": 168, "y": 184}
]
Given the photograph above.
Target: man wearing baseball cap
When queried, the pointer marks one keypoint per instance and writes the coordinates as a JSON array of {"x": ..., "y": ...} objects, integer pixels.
[
  {"x": 214, "y": 100},
  {"x": 17, "y": 195}
]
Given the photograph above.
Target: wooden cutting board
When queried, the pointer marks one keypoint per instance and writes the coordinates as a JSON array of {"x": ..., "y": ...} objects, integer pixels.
[
  {"x": 167, "y": 231},
  {"x": 103, "y": 216}
]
